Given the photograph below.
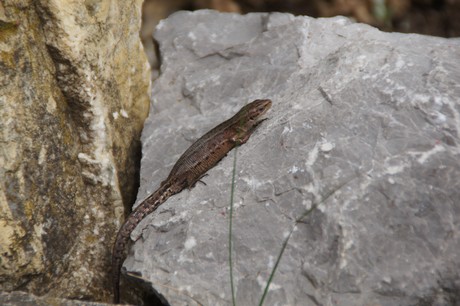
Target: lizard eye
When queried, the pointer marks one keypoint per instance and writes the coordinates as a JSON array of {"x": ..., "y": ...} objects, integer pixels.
[{"x": 256, "y": 113}]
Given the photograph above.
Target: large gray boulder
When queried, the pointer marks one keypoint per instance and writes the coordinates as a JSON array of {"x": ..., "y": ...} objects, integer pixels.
[{"x": 364, "y": 124}]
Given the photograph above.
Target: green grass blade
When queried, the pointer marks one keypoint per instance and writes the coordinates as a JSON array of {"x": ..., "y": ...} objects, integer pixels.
[
  {"x": 278, "y": 259},
  {"x": 286, "y": 240},
  {"x": 230, "y": 244},
  {"x": 272, "y": 274}
]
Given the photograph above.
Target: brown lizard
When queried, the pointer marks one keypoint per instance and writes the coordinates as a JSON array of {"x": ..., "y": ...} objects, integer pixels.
[{"x": 201, "y": 156}]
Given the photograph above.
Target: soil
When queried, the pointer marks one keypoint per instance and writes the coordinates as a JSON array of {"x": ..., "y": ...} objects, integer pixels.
[{"x": 430, "y": 17}]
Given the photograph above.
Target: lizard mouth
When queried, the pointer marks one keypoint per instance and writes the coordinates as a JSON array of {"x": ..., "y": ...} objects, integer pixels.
[
  {"x": 263, "y": 109},
  {"x": 263, "y": 117}
]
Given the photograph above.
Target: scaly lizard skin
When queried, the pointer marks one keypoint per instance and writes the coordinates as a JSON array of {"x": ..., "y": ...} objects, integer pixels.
[{"x": 201, "y": 156}]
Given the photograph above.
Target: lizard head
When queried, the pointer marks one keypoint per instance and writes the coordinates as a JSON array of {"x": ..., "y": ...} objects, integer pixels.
[
  {"x": 247, "y": 119},
  {"x": 255, "y": 110}
]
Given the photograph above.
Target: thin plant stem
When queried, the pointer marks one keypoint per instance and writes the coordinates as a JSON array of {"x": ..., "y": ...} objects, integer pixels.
[
  {"x": 230, "y": 244},
  {"x": 286, "y": 240}
]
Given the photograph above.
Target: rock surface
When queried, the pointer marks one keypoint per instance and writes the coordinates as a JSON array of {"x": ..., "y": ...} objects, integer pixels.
[
  {"x": 25, "y": 299},
  {"x": 364, "y": 123},
  {"x": 73, "y": 97}
]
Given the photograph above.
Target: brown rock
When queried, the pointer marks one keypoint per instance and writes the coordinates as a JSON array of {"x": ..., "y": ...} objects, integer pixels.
[{"x": 73, "y": 98}]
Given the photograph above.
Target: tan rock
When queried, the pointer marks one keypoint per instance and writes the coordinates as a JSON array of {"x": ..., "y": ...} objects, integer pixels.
[{"x": 74, "y": 85}]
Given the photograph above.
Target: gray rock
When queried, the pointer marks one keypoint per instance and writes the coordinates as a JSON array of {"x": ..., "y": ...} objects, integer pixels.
[{"x": 364, "y": 124}]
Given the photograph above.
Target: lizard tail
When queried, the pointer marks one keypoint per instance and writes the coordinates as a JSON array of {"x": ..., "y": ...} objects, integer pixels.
[
  {"x": 119, "y": 247},
  {"x": 117, "y": 261}
]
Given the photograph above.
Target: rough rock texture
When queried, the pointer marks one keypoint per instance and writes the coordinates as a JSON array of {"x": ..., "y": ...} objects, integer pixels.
[
  {"x": 364, "y": 123},
  {"x": 26, "y": 299},
  {"x": 155, "y": 10},
  {"x": 73, "y": 97}
]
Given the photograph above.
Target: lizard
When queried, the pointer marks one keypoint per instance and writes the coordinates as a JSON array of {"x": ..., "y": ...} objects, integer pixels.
[{"x": 193, "y": 164}]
